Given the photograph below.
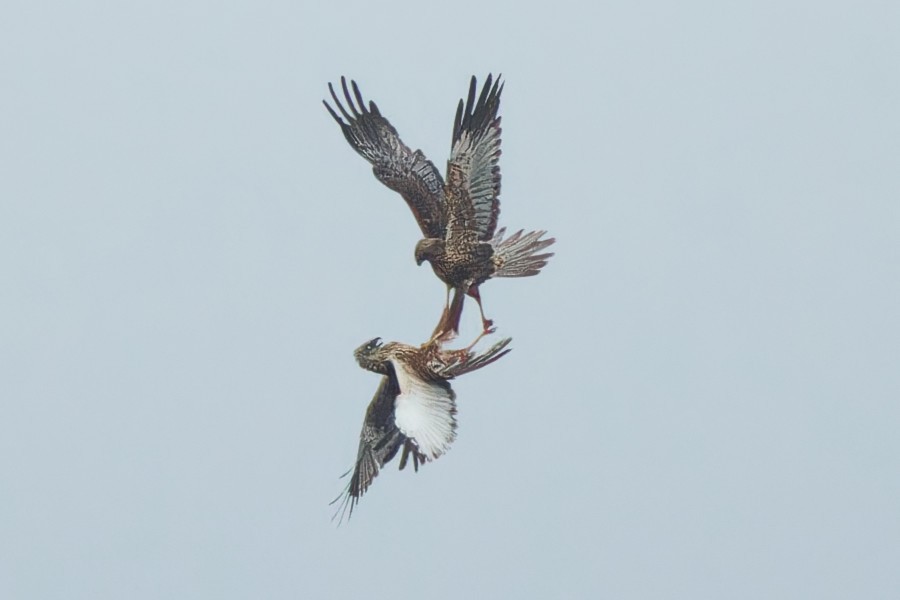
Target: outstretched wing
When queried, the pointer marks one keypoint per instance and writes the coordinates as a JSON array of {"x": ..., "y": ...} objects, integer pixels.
[
  {"x": 473, "y": 171},
  {"x": 425, "y": 411},
  {"x": 379, "y": 442},
  {"x": 394, "y": 164}
]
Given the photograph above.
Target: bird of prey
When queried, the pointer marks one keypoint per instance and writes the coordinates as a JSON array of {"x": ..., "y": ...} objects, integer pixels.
[
  {"x": 414, "y": 408},
  {"x": 458, "y": 217}
]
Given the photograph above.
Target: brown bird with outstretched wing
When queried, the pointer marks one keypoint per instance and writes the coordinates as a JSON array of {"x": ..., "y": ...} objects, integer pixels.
[
  {"x": 414, "y": 408},
  {"x": 458, "y": 218}
]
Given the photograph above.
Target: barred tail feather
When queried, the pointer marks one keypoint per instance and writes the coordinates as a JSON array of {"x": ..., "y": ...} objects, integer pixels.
[
  {"x": 515, "y": 256},
  {"x": 476, "y": 361},
  {"x": 453, "y": 363}
]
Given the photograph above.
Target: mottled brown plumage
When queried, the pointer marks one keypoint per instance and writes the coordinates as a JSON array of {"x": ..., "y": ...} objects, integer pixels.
[
  {"x": 458, "y": 218},
  {"x": 414, "y": 407}
]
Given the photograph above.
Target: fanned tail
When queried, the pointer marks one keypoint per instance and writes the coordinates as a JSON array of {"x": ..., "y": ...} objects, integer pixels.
[
  {"x": 463, "y": 361},
  {"x": 515, "y": 256}
]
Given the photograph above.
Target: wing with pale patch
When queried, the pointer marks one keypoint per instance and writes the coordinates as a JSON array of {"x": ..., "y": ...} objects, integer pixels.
[
  {"x": 394, "y": 164},
  {"x": 425, "y": 411},
  {"x": 473, "y": 171}
]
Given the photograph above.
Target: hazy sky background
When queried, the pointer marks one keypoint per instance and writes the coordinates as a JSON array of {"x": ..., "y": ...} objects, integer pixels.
[{"x": 702, "y": 400}]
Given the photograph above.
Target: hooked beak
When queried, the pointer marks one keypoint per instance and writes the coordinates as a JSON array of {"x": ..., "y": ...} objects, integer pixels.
[{"x": 369, "y": 346}]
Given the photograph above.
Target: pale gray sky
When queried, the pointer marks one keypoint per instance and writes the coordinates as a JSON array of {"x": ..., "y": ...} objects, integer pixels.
[{"x": 703, "y": 397}]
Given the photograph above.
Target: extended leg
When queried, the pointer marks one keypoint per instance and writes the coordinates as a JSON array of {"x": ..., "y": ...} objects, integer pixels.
[
  {"x": 478, "y": 339},
  {"x": 448, "y": 327},
  {"x": 485, "y": 322}
]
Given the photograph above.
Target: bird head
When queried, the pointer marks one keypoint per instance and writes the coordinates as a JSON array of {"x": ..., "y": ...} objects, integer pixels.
[
  {"x": 368, "y": 356},
  {"x": 427, "y": 249}
]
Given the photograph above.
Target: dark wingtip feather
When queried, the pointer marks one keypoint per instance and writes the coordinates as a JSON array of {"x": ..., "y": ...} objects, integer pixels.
[
  {"x": 347, "y": 96},
  {"x": 359, "y": 98},
  {"x": 345, "y": 508},
  {"x": 338, "y": 102},
  {"x": 485, "y": 90},
  {"x": 457, "y": 122},
  {"x": 478, "y": 115},
  {"x": 333, "y": 114}
]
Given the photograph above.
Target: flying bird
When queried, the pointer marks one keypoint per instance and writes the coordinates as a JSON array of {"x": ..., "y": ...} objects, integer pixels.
[
  {"x": 458, "y": 218},
  {"x": 414, "y": 408}
]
